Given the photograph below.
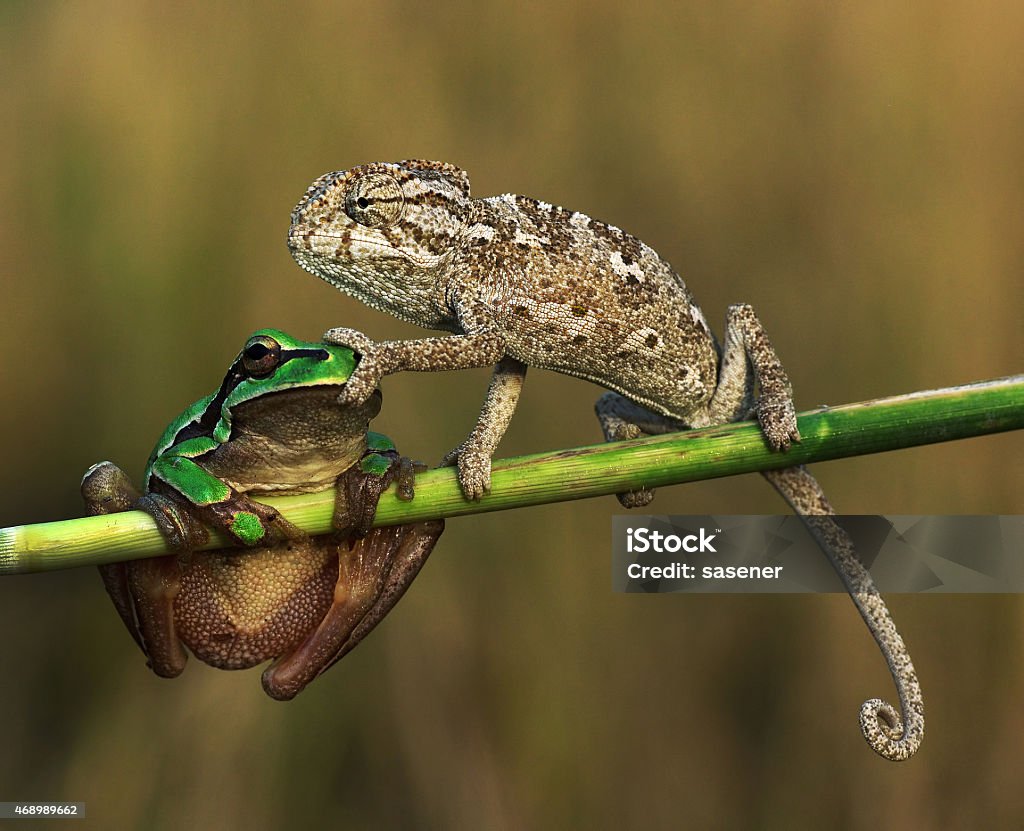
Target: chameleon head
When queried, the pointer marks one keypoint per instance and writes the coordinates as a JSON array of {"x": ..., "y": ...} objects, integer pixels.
[{"x": 382, "y": 232}]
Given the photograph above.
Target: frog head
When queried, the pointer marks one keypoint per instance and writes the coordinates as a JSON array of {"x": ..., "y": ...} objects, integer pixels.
[
  {"x": 274, "y": 424},
  {"x": 281, "y": 414}
]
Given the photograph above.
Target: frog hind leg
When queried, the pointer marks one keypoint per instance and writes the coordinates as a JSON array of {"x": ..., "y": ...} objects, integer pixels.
[
  {"x": 153, "y": 585},
  {"x": 107, "y": 489},
  {"x": 143, "y": 591},
  {"x": 115, "y": 580},
  {"x": 373, "y": 574}
]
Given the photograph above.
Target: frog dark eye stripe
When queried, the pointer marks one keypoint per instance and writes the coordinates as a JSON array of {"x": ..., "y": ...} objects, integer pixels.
[
  {"x": 204, "y": 424},
  {"x": 290, "y": 354}
]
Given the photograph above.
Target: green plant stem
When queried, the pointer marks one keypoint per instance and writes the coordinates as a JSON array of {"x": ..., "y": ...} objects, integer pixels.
[{"x": 827, "y": 433}]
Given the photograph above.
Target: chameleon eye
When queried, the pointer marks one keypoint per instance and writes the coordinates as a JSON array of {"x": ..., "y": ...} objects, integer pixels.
[
  {"x": 261, "y": 356},
  {"x": 375, "y": 200}
]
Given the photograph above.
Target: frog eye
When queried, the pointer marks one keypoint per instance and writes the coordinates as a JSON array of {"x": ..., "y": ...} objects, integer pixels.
[
  {"x": 261, "y": 356},
  {"x": 375, "y": 200}
]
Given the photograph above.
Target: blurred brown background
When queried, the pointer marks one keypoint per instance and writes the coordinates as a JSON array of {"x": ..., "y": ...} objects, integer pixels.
[{"x": 854, "y": 171}]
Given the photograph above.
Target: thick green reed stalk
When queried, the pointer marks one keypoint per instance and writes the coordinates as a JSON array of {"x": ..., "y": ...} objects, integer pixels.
[{"x": 828, "y": 433}]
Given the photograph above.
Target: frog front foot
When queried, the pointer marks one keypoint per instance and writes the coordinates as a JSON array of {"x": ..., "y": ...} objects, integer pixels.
[
  {"x": 359, "y": 488},
  {"x": 248, "y": 522},
  {"x": 107, "y": 489},
  {"x": 180, "y": 528}
]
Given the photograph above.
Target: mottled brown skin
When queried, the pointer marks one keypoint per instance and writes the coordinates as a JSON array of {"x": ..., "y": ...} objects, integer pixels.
[
  {"x": 521, "y": 283},
  {"x": 524, "y": 283},
  {"x": 304, "y": 601}
]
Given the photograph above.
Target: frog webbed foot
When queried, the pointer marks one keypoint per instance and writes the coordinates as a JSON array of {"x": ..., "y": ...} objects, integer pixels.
[
  {"x": 405, "y": 478},
  {"x": 178, "y": 525},
  {"x": 247, "y": 522},
  {"x": 359, "y": 488}
]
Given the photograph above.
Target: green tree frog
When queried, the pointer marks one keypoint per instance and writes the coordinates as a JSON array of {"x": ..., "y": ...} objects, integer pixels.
[{"x": 273, "y": 426}]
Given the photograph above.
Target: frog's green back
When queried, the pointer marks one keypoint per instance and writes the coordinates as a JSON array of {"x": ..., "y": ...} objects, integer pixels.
[{"x": 167, "y": 438}]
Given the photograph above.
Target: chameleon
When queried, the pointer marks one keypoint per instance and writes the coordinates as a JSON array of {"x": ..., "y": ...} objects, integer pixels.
[{"x": 521, "y": 282}]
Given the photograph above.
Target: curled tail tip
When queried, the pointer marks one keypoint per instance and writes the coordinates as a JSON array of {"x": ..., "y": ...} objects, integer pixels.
[{"x": 887, "y": 733}]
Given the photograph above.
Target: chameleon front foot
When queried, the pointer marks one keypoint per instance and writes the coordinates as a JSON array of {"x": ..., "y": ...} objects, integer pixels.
[
  {"x": 474, "y": 469},
  {"x": 369, "y": 370}
]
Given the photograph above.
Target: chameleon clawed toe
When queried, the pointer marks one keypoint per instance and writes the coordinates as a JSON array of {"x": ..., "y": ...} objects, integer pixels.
[{"x": 474, "y": 469}]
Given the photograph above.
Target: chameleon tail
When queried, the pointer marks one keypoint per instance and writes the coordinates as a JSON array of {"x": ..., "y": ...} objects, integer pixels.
[{"x": 890, "y": 735}]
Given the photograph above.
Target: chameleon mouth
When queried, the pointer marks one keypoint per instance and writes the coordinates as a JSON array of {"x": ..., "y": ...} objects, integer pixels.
[
  {"x": 318, "y": 265},
  {"x": 299, "y": 236},
  {"x": 326, "y": 255},
  {"x": 314, "y": 243}
]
